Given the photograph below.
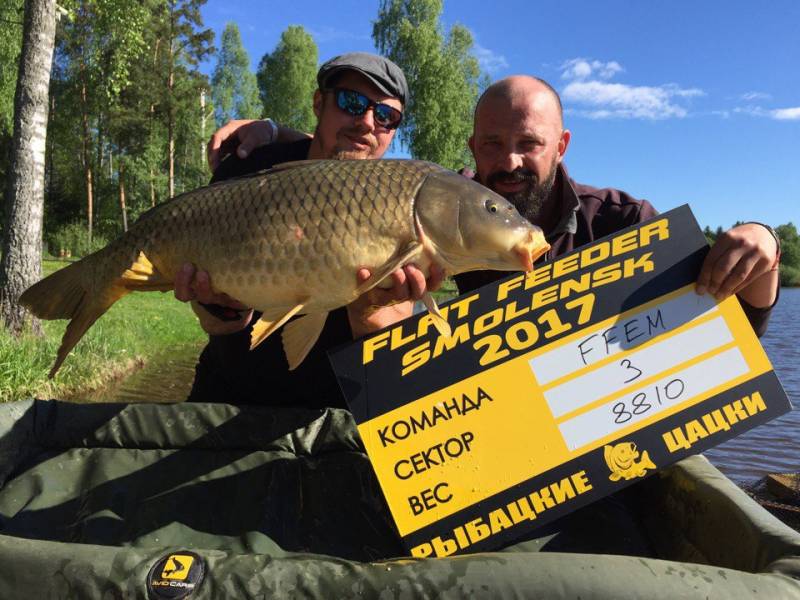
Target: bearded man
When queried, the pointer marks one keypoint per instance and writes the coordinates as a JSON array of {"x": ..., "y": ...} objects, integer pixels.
[{"x": 519, "y": 143}]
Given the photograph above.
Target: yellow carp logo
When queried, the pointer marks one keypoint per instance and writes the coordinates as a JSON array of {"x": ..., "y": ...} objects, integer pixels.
[
  {"x": 175, "y": 576},
  {"x": 177, "y": 566},
  {"x": 622, "y": 461}
]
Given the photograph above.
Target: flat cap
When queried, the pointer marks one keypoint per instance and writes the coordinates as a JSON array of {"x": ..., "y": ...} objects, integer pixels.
[{"x": 386, "y": 75}]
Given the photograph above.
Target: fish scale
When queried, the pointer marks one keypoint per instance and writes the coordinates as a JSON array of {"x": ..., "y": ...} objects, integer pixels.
[{"x": 290, "y": 240}]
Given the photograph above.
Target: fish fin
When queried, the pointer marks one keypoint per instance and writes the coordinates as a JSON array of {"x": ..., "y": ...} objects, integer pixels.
[
  {"x": 300, "y": 335},
  {"x": 143, "y": 276},
  {"x": 65, "y": 295},
  {"x": 384, "y": 271},
  {"x": 646, "y": 463},
  {"x": 439, "y": 321},
  {"x": 268, "y": 324},
  {"x": 607, "y": 455}
]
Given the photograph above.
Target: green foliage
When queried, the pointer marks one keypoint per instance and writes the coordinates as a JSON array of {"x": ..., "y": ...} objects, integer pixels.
[
  {"x": 135, "y": 330},
  {"x": 790, "y": 254},
  {"x": 790, "y": 250},
  {"x": 710, "y": 235},
  {"x": 442, "y": 74},
  {"x": 287, "y": 79},
  {"x": 130, "y": 71},
  {"x": 72, "y": 239},
  {"x": 234, "y": 86},
  {"x": 11, "y": 15},
  {"x": 790, "y": 276},
  {"x": 10, "y": 47}
]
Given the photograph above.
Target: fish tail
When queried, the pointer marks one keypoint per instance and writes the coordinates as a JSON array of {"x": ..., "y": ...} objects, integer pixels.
[
  {"x": 58, "y": 295},
  {"x": 646, "y": 462},
  {"x": 65, "y": 294},
  {"x": 87, "y": 313}
]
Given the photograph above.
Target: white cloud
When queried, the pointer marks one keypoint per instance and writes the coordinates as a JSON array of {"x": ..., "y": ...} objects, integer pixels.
[
  {"x": 489, "y": 61},
  {"x": 592, "y": 95},
  {"x": 778, "y": 114},
  {"x": 581, "y": 68},
  {"x": 786, "y": 114},
  {"x": 750, "y": 96},
  {"x": 617, "y": 100}
]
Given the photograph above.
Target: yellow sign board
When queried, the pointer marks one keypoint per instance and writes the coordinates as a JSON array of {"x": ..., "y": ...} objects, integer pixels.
[{"x": 557, "y": 387}]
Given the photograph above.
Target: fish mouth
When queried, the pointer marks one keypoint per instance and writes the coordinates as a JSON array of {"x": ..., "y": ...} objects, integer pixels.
[{"x": 530, "y": 249}]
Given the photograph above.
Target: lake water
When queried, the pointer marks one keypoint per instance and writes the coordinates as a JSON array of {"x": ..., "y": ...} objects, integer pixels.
[
  {"x": 770, "y": 448},
  {"x": 775, "y": 446}
]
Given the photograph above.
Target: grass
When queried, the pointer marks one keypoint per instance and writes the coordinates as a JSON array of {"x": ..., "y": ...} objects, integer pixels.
[
  {"x": 447, "y": 291},
  {"x": 136, "y": 329}
]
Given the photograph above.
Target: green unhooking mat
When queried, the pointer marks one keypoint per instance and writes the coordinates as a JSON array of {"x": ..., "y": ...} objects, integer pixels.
[{"x": 111, "y": 501}]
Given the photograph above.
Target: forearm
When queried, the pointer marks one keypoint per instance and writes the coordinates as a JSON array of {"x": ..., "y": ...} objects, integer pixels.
[{"x": 287, "y": 134}]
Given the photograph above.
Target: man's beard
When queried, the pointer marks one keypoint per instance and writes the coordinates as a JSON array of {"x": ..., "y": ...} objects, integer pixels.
[{"x": 529, "y": 200}]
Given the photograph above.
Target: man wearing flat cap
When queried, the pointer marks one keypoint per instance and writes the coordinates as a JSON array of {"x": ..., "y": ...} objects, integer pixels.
[{"x": 358, "y": 105}]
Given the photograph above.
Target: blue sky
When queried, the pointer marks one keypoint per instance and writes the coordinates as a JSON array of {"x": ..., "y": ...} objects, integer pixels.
[{"x": 673, "y": 101}]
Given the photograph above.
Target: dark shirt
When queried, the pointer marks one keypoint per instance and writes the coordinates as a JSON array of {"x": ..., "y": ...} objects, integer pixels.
[
  {"x": 228, "y": 371},
  {"x": 588, "y": 214}
]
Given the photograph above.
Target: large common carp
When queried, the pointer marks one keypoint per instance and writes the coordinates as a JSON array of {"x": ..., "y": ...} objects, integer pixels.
[{"x": 290, "y": 240}]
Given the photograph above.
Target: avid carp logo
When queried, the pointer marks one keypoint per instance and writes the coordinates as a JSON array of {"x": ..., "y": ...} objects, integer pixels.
[
  {"x": 175, "y": 576},
  {"x": 624, "y": 463}
]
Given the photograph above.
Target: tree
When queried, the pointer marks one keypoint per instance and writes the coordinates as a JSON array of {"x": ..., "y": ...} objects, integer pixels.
[
  {"x": 710, "y": 237},
  {"x": 97, "y": 49},
  {"x": 22, "y": 243},
  {"x": 287, "y": 79},
  {"x": 790, "y": 245},
  {"x": 234, "y": 87},
  {"x": 10, "y": 44},
  {"x": 11, "y": 15},
  {"x": 184, "y": 47},
  {"x": 442, "y": 74},
  {"x": 136, "y": 124}
]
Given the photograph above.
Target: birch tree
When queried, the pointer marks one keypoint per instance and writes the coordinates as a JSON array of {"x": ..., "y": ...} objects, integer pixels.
[{"x": 22, "y": 243}]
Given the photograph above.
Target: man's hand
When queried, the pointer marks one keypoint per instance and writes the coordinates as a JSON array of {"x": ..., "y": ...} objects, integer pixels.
[
  {"x": 194, "y": 286},
  {"x": 379, "y": 308},
  {"x": 241, "y": 136},
  {"x": 741, "y": 262}
]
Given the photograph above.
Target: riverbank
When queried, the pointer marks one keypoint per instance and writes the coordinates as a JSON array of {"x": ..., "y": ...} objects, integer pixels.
[{"x": 136, "y": 329}]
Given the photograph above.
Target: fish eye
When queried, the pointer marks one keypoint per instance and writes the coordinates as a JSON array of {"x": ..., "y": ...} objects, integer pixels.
[{"x": 491, "y": 206}]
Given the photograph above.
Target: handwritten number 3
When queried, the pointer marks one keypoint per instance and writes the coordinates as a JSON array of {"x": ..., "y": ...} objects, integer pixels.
[{"x": 627, "y": 364}]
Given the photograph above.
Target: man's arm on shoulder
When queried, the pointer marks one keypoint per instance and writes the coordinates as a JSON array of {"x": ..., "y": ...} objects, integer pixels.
[{"x": 242, "y": 136}]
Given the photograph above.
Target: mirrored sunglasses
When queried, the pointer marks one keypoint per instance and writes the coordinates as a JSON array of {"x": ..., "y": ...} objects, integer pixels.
[{"x": 356, "y": 104}]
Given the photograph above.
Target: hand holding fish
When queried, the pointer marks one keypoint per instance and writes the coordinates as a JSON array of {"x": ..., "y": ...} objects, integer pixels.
[
  {"x": 743, "y": 261},
  {"x": 379, "y": 308},
  {"x": 194, "y": 286}
]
